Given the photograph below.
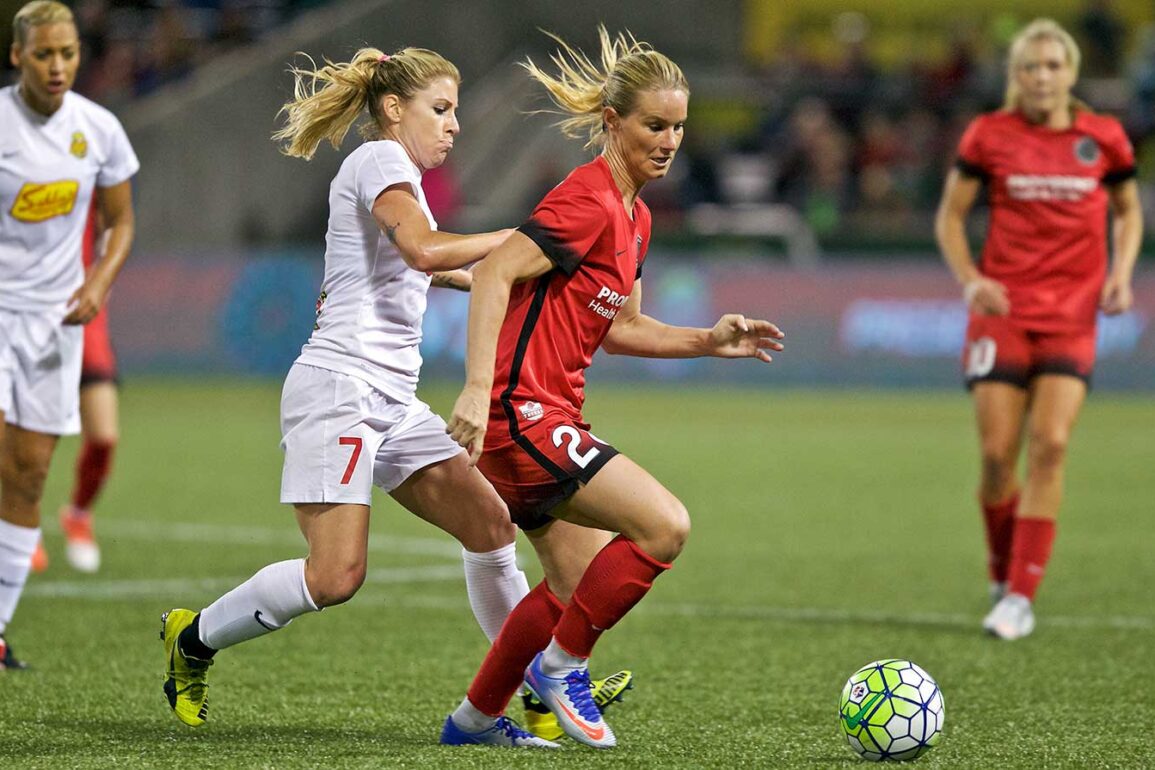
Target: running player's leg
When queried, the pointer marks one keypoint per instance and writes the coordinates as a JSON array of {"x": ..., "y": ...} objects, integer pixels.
[
  {"x": 24, "y": 459},
  {"x": 654, "y": 525},
  {"x": 564, "y": 550},
  {"x": 1000, "y": 410},
  {"x": 1055, "y": 404},
  {"x": 99, "y": 418},
  {"x": 456, "y": 498}
]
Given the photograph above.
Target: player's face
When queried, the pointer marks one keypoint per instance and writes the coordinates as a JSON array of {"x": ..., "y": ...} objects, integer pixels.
[
  {"x": 648, "y": 138},
  {"x": 47, "y": 63},
  {"x": 429, "y": 123},
  {"x": 1045, "y": 77}
]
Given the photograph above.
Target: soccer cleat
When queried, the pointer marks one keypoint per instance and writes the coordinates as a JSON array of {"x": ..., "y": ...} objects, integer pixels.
[
  {"x": 184, "y": 684},
  {"x": 39, "y": 557},
  {"x": 8, "y": 661},
  {"x": 1012, "y": 618},
  {"x": 570, "y": 699},
  {"x": 541, "y": 722},
  {"x": 504, "y": 732},
  {"x": 81, "y": 549}
]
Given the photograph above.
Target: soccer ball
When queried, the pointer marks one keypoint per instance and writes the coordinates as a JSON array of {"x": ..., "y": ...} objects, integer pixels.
[{"x": 891, "y": 709}]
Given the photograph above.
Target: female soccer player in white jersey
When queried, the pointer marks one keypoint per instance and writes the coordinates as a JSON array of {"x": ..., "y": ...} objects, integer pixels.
[
  {"x": 58, "y": 150},
  {"x": 350, "y": 417}
]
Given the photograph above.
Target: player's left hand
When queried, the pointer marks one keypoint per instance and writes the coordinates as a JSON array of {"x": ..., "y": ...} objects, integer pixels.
[
  {"x": 735, "y": 336},
  {"x": 1116, "y": 296},
  {"x": 84, "y": 304},
  {"x": 469, "y": 420}
]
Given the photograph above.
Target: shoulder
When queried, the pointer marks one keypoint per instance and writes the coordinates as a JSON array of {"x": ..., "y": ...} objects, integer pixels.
[
  {"x": 1104, "y": 127},
  {"x": 583, "y": 185},
  {"x": 388, "y": 157},
  {"x": 91, "y": 111}
]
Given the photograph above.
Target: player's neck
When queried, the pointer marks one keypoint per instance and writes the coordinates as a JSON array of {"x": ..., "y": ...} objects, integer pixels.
[
  {"x": 625, "y": 183},
  {"x": 1059, "y": 119},
  {"x": 47, "y": 108}
]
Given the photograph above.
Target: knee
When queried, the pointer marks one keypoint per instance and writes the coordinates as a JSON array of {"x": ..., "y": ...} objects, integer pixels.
[
  {"x": 332, "y": 584},
  {"x": 1048, "y": 449},
  {"x": 489, "y": 528},
  {"x": 674, "y": 531},
  {"x": 24, "y": 476}
]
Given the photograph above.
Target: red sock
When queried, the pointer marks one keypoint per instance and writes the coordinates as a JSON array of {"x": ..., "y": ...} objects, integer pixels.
[
  {"x": 1000, "y": 523},
  {"x": 525, "y": 633},
  {"x": 616, "y": 580},
  {"x": 1031, "y": 552},
  {"x": 92, "y": 467}
]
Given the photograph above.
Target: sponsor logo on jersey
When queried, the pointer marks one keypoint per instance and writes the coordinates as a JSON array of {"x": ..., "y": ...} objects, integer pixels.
[
  {"x": 324, "y": 295},
  {"x": 38, "y": 201},
  {"x": 531, "y": 410},
  {"x": 607, "y": 302},
  {"x": 1050, "y": 187},
  {"x": 79, "y": 146},
  {"x": 1087, "y": 151}
]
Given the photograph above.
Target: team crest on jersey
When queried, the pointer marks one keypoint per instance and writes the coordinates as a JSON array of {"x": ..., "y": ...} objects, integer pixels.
[
  {"x": 37, "y": 202},
  {"x": 1087, "y": 151},
  {"x": 531, "y": 410},
  {"x": 79, "y": 146}
]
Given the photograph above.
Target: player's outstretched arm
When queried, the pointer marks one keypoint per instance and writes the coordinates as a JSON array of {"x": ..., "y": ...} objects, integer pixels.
[
  {"x": 400, "y": 217},
  {"x": 517, "y": 259},
  {"x": 460, "y": 280},
  {"x": 116, "y": 215},
  {"x": 1127, "y": 235},
  {"x": 634, "y": 333}
]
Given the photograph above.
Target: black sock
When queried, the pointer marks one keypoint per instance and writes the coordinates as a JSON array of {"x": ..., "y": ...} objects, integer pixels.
[{"x": 190, "y": 643}]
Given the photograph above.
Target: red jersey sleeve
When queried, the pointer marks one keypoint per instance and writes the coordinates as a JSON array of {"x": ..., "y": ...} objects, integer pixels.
[
  {"x": 566, "y": 225},
  {"x": 1119, "y": 155},
  {"x": 970, "y": 159}
]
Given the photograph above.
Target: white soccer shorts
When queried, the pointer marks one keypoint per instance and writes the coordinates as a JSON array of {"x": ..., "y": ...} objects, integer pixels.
[
  {"x": 40, "y": 372},
  {"x": 342, "y": 437}
]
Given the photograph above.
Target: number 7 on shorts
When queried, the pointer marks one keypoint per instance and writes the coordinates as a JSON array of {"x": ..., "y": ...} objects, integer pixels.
[{"x": 355, "y": 442}]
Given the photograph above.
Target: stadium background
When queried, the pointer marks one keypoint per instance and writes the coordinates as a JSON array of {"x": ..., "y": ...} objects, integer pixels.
[{"x": 817, "y": 143}]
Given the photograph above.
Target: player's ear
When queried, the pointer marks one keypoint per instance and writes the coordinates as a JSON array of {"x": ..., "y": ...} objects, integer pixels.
[
  {"x": 14, "y": 55},
  {"x": 392, "y": 107},
  {"x": 611, "y": 120}
]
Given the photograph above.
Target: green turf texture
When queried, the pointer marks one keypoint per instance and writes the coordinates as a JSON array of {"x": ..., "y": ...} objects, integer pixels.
[{"x": 830, "y": 529}]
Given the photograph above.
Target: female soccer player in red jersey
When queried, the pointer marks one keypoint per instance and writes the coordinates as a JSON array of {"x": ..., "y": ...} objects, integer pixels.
[
  {"x": 1052, "y": 169},
  {"x": 567, "y": 283}
]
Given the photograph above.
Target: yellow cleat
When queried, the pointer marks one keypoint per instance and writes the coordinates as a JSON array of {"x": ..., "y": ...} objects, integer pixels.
[
  {"x": 184, "y": 684},
  {"x": 540, "y": 721}
]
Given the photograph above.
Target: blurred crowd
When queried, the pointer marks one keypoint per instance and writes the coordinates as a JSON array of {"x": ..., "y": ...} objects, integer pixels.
[{"x": 864, "y": 151}]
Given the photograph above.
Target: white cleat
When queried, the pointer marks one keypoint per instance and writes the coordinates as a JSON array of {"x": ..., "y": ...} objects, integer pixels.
[
  {"x": 570, "y": 699},
  {"x": 80, "y": 544},
  {"x": 1012, "y": 618},
  {"x": 83, "y": 556}
]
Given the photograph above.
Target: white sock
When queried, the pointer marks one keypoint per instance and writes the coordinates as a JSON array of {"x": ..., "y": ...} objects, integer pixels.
[
  {"x": 556, "y": 662},
  {"x": 469, "y": 719},
  {"x": 17, "y": 544},
  {"x": 262, "y": 604},
  {"x": 495, "y": 585}
]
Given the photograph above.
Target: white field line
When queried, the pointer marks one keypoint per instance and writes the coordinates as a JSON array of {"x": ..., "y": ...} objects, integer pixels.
[
  {"x": 159, "y": 532},
  {"x": 288, "y": 535}
]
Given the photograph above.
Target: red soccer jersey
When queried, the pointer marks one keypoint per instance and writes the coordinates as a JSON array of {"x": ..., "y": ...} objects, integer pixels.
[
  {"x": 1047, "y": 241},
  {"x": 555, "y": 323}
]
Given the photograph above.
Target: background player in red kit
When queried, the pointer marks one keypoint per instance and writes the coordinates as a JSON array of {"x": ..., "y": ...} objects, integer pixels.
[
  {"x": 99, "y": 409},
  {"x": 1052, "y": 167},
  {"x": 543, "y": 302}
]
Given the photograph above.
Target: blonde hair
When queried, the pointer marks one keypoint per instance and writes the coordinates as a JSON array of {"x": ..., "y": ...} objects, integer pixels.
[
  {"x": 326, "y": 100},
  {"x": 38, "y": 13},
  {"x": 1039, "y": 29},
  {"x": 583, "y": 88}
]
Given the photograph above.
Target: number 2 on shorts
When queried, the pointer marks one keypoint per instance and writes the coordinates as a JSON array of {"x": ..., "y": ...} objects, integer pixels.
[
  {"x": 561, "y": 433},
  {"x": 355, "y": 442}
]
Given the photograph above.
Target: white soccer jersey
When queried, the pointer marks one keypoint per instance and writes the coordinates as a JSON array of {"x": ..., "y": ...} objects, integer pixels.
[
  {"x": 49, "y": 167},
  {"x": 371, "y": 303}
]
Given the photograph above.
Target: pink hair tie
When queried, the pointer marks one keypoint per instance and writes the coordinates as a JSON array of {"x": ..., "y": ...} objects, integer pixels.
[{"x": 384, "y": 57}]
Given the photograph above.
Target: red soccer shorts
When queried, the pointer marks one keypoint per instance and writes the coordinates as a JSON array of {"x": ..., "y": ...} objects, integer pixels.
[
  {"x": 998, "y": 349},
  {"x": 542, "y": 464},
  {"x": 99, "y": 362}
]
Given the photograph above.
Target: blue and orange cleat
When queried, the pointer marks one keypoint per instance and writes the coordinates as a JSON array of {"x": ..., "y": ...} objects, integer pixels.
[
  {"x": 504, "y": 732},
  {"x": 571, "y": 700}
]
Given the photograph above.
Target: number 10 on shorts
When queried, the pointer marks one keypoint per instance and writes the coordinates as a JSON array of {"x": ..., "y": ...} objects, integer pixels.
[{"x": 355, "y": 442}]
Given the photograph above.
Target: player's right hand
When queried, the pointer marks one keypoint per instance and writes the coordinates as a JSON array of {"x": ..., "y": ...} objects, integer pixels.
[
  {"x": 986, "y": 297},
  {"x": 467, "y": 424}
]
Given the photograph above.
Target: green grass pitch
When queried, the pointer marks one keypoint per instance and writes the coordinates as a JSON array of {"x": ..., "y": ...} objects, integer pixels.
[{"x": 830, "y": 529}]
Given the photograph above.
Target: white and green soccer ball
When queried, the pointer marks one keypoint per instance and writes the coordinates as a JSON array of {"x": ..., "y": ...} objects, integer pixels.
[{"x": 891, "y": 709}]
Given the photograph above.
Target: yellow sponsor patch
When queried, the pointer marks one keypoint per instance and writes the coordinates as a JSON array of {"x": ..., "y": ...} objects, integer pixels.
[
  {"x": 79, "y": 146},
  {"x": 38, "y": 201}
]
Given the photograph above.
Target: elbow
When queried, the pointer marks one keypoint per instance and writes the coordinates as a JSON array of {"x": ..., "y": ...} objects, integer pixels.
[{"x": 421, "y": 258}]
